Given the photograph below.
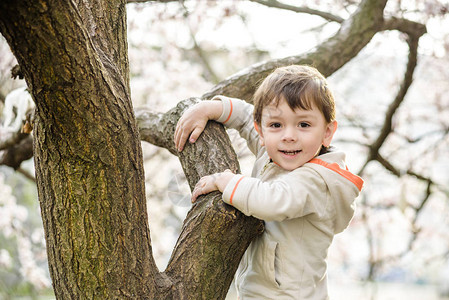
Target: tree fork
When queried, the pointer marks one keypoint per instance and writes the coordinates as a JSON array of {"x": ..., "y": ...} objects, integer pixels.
[{"x": 214, "y": 235}]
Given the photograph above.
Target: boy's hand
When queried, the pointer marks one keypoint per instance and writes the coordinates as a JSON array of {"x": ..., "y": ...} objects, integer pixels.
[
  {"x": 194, "y": 120},
  {"x": 210, "y": 183}
]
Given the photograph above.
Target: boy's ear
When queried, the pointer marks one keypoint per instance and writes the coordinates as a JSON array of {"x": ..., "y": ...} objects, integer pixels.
[
  {"x": 261, "y": 140},
  {"x": 329, "y": 134},
  {"x": 259, "y": 131}
]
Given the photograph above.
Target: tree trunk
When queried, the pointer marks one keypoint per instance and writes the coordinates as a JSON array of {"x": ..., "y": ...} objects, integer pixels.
[{"x": 87, "y": 148}]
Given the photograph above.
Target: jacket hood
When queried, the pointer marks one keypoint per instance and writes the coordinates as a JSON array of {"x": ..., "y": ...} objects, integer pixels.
[{"x": 343, "y": 185}]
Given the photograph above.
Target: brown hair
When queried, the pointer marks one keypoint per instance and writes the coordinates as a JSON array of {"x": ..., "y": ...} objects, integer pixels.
[{"x": 300, "y": 85}]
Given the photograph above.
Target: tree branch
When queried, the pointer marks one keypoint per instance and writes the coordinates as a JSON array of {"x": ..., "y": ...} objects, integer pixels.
[
  {"x": 210, "y": 73},
  {"x": 26, "y": 174},
  {"x": 328, "y": 57},
  {"x": 300, "y": 9},
  {"x": 16, "y": 72},
  {"x": 378, "y": 262},
  {"x": 9, "y": 139},
  {"x": 407, "y": 81},
  {"x": 411, "y": 28},
  {"x": 414, "y": 32},
  {"x": 19, "y": 152}
]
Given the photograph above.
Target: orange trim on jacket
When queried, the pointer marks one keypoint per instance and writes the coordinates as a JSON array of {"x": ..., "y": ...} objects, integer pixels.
[
  {"x": 233, "y": 191},
  {"x": 230, "y": 113},
  {"x": 336, "y": 168}
]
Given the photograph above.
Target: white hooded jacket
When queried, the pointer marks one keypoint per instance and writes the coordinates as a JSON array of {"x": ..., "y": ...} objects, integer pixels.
[{"x": 303, "y": 209}]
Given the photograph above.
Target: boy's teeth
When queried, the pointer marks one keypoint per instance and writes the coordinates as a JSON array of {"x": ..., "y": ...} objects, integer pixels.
[{"x": 291, "y": 152}]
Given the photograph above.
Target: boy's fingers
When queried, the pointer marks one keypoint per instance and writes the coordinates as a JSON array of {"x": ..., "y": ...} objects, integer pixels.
[
  {"x": 180, "y": 137},
  {"x": 180, "y": 141},
  {"x": 193, "y": 198},
  {"x": 201, "y": 188},
  {"x": 182, "y": 134},
  {"x": 195, "y": 134},
  {"x": 196, "y": 193},
  {"x": 175, "y": 138},
  {"x": 177, "y": 134}
]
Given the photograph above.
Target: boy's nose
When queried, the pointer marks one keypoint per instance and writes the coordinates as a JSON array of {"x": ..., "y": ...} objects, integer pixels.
[{"x": 290, "y": 135}]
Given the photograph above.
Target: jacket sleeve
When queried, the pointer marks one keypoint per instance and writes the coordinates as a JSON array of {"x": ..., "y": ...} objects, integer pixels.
[
  {"x": 286, "y": 198},
  {"x": 238, "y": 114}
]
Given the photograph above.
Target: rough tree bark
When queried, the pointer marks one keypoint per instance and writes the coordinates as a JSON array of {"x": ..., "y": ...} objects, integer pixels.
[
  {"x": 86, "y": 146},
  {"x": 88, "y": 157}
]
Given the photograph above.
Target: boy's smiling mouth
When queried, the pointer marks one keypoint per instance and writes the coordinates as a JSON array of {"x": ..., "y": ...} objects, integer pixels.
[{"x": 290, "y": 152}]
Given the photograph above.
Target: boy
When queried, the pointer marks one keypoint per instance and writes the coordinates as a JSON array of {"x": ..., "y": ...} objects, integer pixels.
[{"x": 299, "y": 186}]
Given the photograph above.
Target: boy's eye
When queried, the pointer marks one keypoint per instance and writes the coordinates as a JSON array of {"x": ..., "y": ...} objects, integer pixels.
[
  {"x": 275, "y": 125},
  {"x": 304, "y": 125}
]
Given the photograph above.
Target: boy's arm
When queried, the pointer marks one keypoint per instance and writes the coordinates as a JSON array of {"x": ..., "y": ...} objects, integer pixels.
[
  {"x": 314, "y": 190},
  {"x": 288, "y": 197},
  {"x": 231, "y": 112},
  {"x": 268, "y": 201},
  {"x": 238, "y": 114}
]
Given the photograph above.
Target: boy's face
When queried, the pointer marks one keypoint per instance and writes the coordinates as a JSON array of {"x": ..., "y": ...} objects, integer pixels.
[{"x": 292, "y": 138}]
